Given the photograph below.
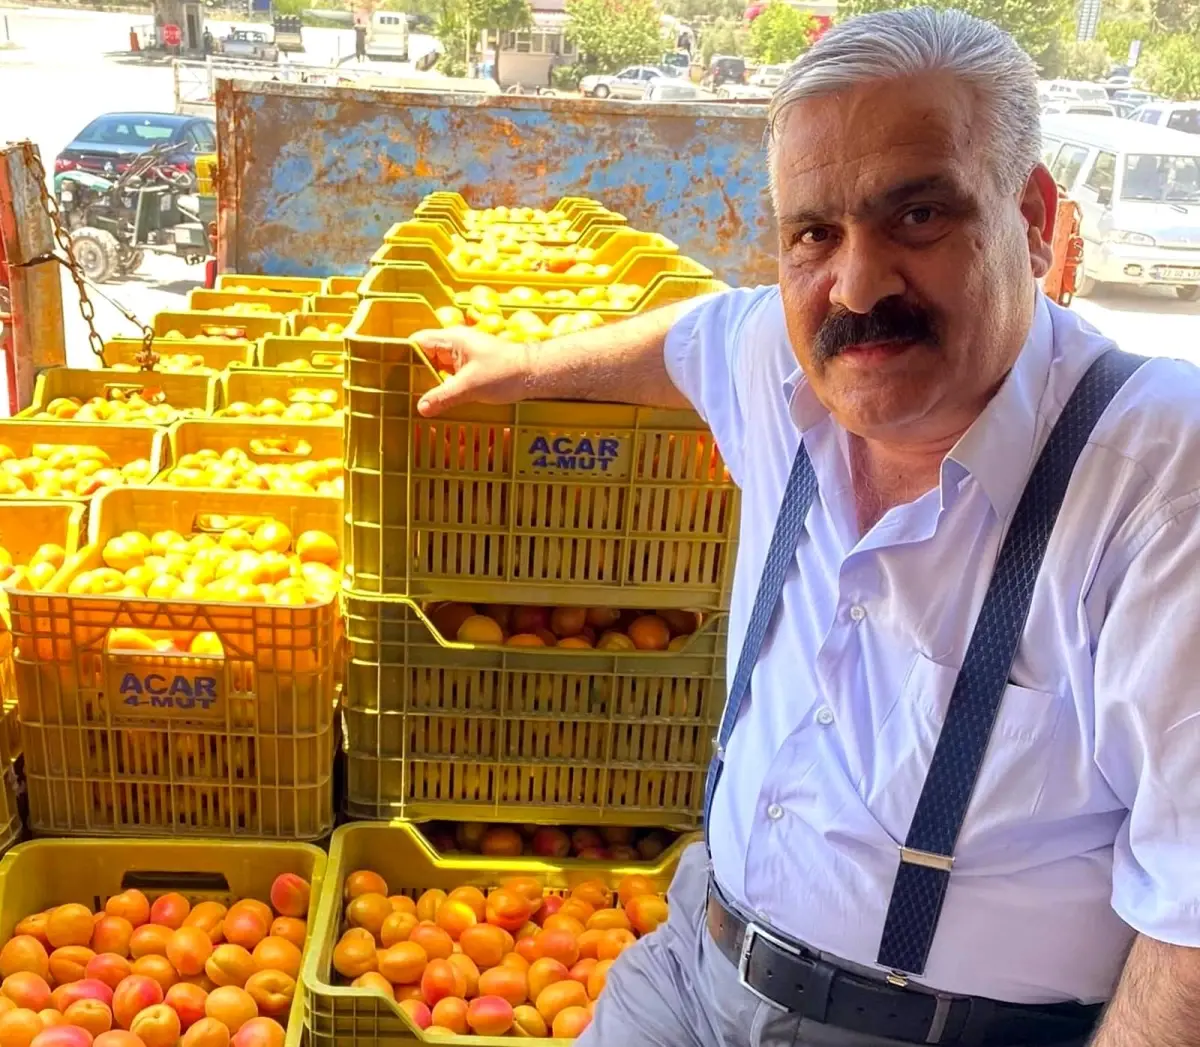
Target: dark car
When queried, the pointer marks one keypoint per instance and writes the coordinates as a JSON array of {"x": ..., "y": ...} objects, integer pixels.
[
  {"x": 726, "y": 69},
  {"x": 109, "y": 142}
]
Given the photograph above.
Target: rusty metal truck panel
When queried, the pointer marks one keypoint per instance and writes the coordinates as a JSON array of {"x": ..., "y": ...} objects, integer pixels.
[{"x": 312, "y": 177}]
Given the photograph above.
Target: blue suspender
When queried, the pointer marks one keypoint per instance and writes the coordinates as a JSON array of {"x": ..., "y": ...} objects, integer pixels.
[{"x": 927, "y": 855}]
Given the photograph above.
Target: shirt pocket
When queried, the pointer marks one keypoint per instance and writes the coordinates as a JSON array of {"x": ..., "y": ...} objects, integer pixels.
[{"x": 1016, "y": 765}]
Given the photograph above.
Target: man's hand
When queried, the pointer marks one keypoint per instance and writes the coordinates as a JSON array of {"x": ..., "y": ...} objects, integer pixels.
[{"x": 482, "y": 368}]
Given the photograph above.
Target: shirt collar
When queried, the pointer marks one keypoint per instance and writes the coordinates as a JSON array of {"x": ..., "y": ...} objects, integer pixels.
[{"x": 997, "y": 449}]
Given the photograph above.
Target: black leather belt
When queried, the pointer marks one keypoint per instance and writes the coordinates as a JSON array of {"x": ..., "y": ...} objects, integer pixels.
[{"x": 795, "y": 979}]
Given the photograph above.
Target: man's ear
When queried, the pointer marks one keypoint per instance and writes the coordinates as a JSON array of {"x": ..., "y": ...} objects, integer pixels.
[{"x": 1039, "y": 206}]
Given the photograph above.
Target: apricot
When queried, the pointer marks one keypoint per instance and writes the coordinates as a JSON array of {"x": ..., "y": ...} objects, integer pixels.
[
  {"x": 441, "y": 979},
  {"x": 597, "y": 979},
  {"x": 69, "y": 964},
  {"x": 24, "y": 954},
  {"x": 62, "y": 1036},
  {"x": 372, "y": 981},
  {"x": 231, "y": 1006},
  {"x": 473, "y": 897},
  {"x": 253, "y": 905},
  {"x": 544, "y": 973},
  {"x": 466, "y": 967},
  {"x": 396, "y": 928},
  {"x": 505, "y": 982},
  {"x": 290, "y": 895},
  {"x": 91, "y": 1015},
  {"x": 260, "y": 1032},
  {"x": 526, "y": 948},
  {"x": 70, "y": 924},
  {"x": 408, "y": 992},
  {"x": 508, "y": 909},
  {"x": 454, "y": 917},
  {"x": 209, "y": 917},
  {"x": 131, "y": 905},
  {"x": 364, "y": 882},
  {"x": 189, "y": 949},
  {"x": 108, "y": 968},
  {"x": 418, "y": 1013},
  {"x": 575, "y": 909},
  {"x": 157, "y": 1026},
  {"x": 489, "y": 1016},
  {"x": 149, "y": 940},
  {"x": 170, "y": 910},
  {"x": 429, "y": 903},
  {"x": 550, "y": 905},
  {"x": 609, "y": 920},
  {"x": 559, "y": 995},
  {"x": 526, "y": 886},
  {"x": 35, "y": 927},
  {"x": 207, "y": 1032},
  {"x": 570, "y": 1022},
  {"x": 528, "y": 1024},
  {"x": 589, "y": 943},
  {"x": 187, "y": 1001},
  {"x": 6, "y": 1005},
  {"x": 581, "y": 971},
  {"x": 560, "y": 921},
  {"x": 51, "y": 1017},
  {"x": 633, "y": 885},
  {"x": 18, "y": 1028},
  {"x": 27, "y": 990},
  {"x": 595, "y": 892},
  {"x": 134, "y": 995},
  {"x": 450, "y": 1012},
  {"x": 403, "y": 963},
  {"x": 486, "y": 944},
  {"x": 517, "y": 962},
  {"x": 558, "y": 944},
  {"x": 112, "y": 934},
  {"x": 613, "y": 943},
  {"x": 244, "y": 927},
  {"x": 438, "y": 945},
  {"x": 290, "y": 929},
  {"x": 117, "y": 1038},
  {"x": 277, "y": 954},
  {"x": 230, "y": 965},
  {"x": 354, "y": 953},
  {"x": 646, "y": 912},
  {"x": 402, "y": 903},
  {"x": 157, "y": 967},
  {"x": 272, "y": 993},
  {"x": 85, "y": 989}
]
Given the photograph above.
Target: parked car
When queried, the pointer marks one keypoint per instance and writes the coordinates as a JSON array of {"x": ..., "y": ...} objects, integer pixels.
[
  {"x": 1138, "y": 191},
  {"x": 669, "y": 89},
  {"x": 109, "y": 143},
  {"x": 249, "y": 43},
  {"x": 725, "y": 69},
  {"x": 768, "y": 76},
  {"x": 1071, "y": 90},
  {"x": 628, "y": 83},
  {"x": 1178, "y": 116},
  {"x": 1069, "y": 108}
]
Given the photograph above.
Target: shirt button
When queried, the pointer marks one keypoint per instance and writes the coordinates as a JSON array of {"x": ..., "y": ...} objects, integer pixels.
[
  {"x": 774, "y": 812},
  {"x": 858, "y": 612},
  {"x": 824, "y": 716}
]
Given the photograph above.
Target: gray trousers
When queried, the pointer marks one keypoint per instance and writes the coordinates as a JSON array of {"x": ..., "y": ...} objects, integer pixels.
[{"x": 675, "y": 989}]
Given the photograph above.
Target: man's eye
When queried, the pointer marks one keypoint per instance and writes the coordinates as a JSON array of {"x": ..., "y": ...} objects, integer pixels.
[
  {"x": 816, "y": 235},
  {"x": 918, "y": 216}
]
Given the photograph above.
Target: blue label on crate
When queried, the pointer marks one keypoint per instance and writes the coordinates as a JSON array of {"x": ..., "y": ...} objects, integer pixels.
[
  {"x": 160, "y": 690},
  {"x": 584, "y": 454}
]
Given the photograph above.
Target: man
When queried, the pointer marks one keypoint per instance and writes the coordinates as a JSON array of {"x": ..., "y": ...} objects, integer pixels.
[
  {"x": 914, "y": 219},
  {"x": 360, "y": 40}
]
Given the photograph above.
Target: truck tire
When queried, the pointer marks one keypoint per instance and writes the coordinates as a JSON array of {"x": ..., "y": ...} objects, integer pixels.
[
  {"x": 96, "y": 251},
  {"x": 1085, "y": 287},
  {"x": 129, "y": 261},
  {"x": 1189, "y": 293}
]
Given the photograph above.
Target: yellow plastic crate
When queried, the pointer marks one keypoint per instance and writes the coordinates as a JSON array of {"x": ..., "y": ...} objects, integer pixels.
[
  {"x": 200, "y": 325},
  {"x": 480, "y": 733},
  {"x": 331, "y": 304},
  {"x": 317, "y": 354},
  {"x": 202, "y": 300},
  {"x": 217, "y": 354},
  {"x": 253, "y": 385},
  {"x": 26, "y": 525},
  {"x": 608, "y": 241},
  {"x": 637, "y": 265},
  {"x": 541, "y": 502},
  {"x": 220, "y": 435},
  {"x": 582, "y": 226},
  {"x": 341, "y": 1016},
  {"x": 565, "y": 206},
  {"x": 122, "y": 443},
  {"x": 302, "y": 322},
  {"x": 195, "y": 393},
  {"x": 156, "y": 743},
  {"x": 417, "y": 278},
  {"x": 11, "y": 827},
  {"x": 206, "y": 174},
  {"x": 279, "y": 284},
  {"x": 47, "y": 873},
  {"x": 339, "y": 285}
]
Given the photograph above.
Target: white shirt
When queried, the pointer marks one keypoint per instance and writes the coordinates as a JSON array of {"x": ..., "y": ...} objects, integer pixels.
[{"x": 1086, "y": 819}]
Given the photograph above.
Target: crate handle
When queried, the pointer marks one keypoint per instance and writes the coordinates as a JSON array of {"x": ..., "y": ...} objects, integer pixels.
[
  {"x": 184, "y": 882},
  {"x": 210, "y": 330},
  {"x": 219, "y": 523},
  {"x": 325, "y": 360},
  {"x": 260, "y": 449}
]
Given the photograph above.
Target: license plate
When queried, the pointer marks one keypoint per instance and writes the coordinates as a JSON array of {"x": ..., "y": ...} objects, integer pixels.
[{"x": 1177, "y": 274}]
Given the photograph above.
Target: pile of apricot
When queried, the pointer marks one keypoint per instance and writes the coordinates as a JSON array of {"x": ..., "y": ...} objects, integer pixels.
[
  {"x": 513, "y": 959},
  {"x": 303, "y": 405},
  {"x": 140, "y": 407},
  {"x": 579, "y": 628},
  {"x": 36, "y": 572},
  {"x": 66, "y": 471},
  {"x": 170, "y": 363},
  {"x": 161, "y": 973},
  {"x": 610, "y": 843},
  {"x": 234, "y": 468}
]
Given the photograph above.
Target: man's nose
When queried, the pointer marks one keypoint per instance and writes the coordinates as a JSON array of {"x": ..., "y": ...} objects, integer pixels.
[{"x": 865, "y": 274}]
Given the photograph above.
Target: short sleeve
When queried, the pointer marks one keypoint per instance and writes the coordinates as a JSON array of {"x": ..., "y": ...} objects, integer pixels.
[
  {"x": 703, "y": 352},
  {"x": 1147, "y": 743}
]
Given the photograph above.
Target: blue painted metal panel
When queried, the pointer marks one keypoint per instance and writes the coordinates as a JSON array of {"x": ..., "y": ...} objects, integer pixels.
[{"x": 312, "y": 177}]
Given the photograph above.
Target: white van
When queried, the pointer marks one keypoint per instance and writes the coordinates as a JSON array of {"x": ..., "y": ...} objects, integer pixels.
[
  {"x": 1071, "y": 90},
  {"x": 1138, "y": 188},
  {"x": 387, "y": 36}
]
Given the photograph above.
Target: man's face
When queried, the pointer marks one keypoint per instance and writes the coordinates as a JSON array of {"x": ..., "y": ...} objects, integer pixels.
[{"x": 907, "y": 275}]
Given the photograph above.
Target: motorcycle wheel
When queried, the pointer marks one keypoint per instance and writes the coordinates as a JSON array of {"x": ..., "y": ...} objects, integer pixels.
[{"x": 96, "y": 251}]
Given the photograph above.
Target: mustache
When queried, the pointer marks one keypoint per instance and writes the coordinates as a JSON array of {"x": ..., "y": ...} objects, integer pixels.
[{"x": 891, "y": 320}]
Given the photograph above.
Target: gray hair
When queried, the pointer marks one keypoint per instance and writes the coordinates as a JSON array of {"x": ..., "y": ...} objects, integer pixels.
[{"x": 894, "y": 45}]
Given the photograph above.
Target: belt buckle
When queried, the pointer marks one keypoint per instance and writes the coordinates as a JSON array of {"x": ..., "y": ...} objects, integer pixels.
[{"x": 755, "y": 931}]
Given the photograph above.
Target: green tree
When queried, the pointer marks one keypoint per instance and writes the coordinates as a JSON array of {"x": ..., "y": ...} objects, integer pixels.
[
  {"x": 1085, "y": 60},
  {"x": 780, "y": 33},
  {"x": 702, "y": 12},
  {"x": 1035, "y": 25},
  {"x": 614, "y": 33},
  {"x": 499, "y": 17},
  {"x": 724, "y": 37},
  {"x": 1118, "y": 34},
  {"x": 1171, "y": 66}
]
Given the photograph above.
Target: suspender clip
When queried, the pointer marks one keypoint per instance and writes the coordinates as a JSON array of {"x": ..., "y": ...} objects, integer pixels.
[{"x": 911, "y": 856}]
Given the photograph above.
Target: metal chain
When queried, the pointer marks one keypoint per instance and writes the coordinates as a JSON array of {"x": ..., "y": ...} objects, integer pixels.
[{"x": 147, "y": 357}]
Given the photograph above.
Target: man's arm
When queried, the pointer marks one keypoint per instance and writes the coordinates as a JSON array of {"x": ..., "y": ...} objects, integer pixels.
[
  {"x": 1157, "y": 1002},
  {"x": 621, "y": 362}
]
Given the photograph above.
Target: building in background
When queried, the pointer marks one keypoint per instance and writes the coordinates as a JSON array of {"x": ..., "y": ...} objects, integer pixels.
[{"x": 528, "y": 56}]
